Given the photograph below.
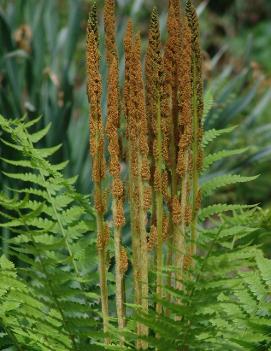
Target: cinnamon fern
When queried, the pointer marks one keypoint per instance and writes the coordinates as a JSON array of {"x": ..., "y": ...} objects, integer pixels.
[
  {"x": 52, "y": 235},
  {"x": 147, "y": 261}
]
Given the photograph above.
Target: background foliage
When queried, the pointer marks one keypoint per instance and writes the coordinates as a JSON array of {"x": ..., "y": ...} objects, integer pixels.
[{"x": 42, "y": 72}]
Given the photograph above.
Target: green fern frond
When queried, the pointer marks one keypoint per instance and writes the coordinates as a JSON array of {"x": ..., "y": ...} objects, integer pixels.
[
  {"x": 38, "y": 136},
  {"x": 210, "y": 159},
  {"x": 22, "y": 315},
  {"x": 217, "y": 209},
  {"x": 212, "y": 134},
  {"x": 208, "y": 103},
  {"x": 48, "y": 223},
  {"x": 215, "y": 183}
]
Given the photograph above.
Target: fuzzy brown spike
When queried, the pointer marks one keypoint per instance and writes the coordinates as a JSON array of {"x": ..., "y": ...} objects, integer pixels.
[
  {"x": 172, "y": 20},
  {"x": 158, "y": 129},
  {"x": 93, "y": 21},
  {"x": 176, "y": 7},
  {"x": 113, "y": 122},
  {"x": 131, "y": 104},
  {"x": 124, "y": 260},
  {"x": 152, "y": 240},
  {"x": 110, "y": 31},
  {"x": 171, "y": 108},
  {"x": 197, "y": 111},
  {"x": 172, "y": 64},
  {"x": 152, "y": 72},
  {"x": 94, "y": 89},
  {"x": 154, "y": 59},
  {"x": 185, "y": 144},
  {"x": 94, "y": 94},
  {"x": 185, "y": 81},
  {"x": 138, "y": 135},
  {"x": 194, "y": 26},
  {"x": 112, "y": 101},
  {"x": 128, "y": 45},
  {"x": 192, "y": 19}
]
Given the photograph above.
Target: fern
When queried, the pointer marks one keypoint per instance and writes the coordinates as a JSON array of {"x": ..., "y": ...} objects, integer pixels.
[
  {"x": 221, "y": 181},
  {"x": 200, "y": 281},
  {"x": 208, "y": 103},
  {"x": 224, "y": 289},
  {"x": 226, "y": 298},
  {"x": 220, "y": 208},
  {"x": 218, "y": 156},
  {"x": 222, "y": 303},
  {"x": 51, "y": 238},
  {"x": 22, "y": 315},
  {"x": 51, "y": 229},
  {"x": 212, "y": 134}
]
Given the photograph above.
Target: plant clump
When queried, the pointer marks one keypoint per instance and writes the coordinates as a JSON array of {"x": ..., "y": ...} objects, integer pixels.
[{"x": 160, "y": 107}]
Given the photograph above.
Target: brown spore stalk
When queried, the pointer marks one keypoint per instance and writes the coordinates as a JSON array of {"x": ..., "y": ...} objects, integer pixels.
[
  {"x": 138, "y": 138},
  {"x": 197, "y": 112},
  {"x": 159, "y": 138},
  {"x": 185, "y": 145},
  {"x": 162, "y": 119},
  {"x": 172, "y": 110},
  {"x": 94, "y": 90},
  {"x": 112, "y": 130}
]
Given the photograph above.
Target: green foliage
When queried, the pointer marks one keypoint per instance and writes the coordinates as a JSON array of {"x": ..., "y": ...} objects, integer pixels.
[
  {"x": 40, "y": 76},
  {"x": 51, "y": 238},
  {"x": 43, "y": 75},
  {"x": 225, "y": 303},
  {"x": 237, "y": 100},
  {"x": 23, "y": 315}
]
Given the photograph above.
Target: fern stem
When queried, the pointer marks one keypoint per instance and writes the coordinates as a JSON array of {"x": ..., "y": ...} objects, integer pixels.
[
  {"x": 169, "y": 261},
  {"x": 135, "y": 242},
  {"x": 112, "y": 128},
  {"x": 195, "y": 173},
  {"x": 154, "y": 92},
  {"x": 159, "y": 212},
  {"x": 197, "y": 111},
  {"x": 180, "y": 239},
  {"x": 174, "y": 188},
  {"x": 129, "y": 90},
  {"x": 102, "y": 263},
  {"x": 119, "y": 275},
  {"x": 104, "y": 290},
  {"x": 61, "y": 228},
  {"x": 119, "y": 281},
  {"x": 134, "y": 234},
  {"x": 143, "y": 252}
]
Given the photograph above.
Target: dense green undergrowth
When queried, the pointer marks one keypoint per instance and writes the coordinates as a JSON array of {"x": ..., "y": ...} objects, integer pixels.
[{"x": 49, "y": 300}]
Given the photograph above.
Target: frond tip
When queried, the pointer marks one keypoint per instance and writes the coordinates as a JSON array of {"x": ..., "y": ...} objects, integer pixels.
[
  {"x": 110, "y": 31},
  {"x": 93, "y": 21}
]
